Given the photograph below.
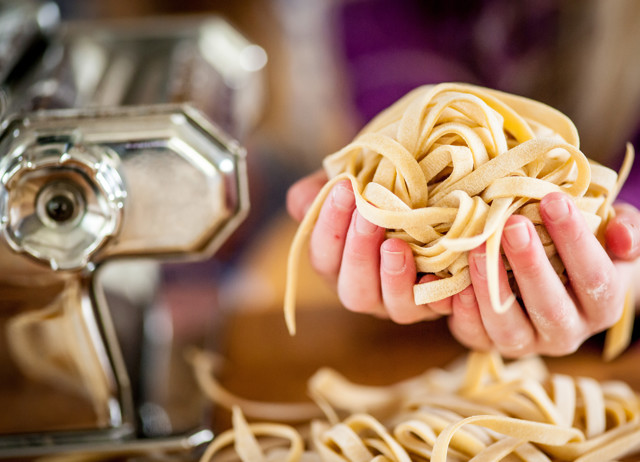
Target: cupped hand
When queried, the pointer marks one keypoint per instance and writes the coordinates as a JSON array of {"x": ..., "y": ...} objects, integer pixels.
[
  {"x": 551, "y": 318},
  {"x": 375, "y": 275},
  {"x": 371, "y": 274}
]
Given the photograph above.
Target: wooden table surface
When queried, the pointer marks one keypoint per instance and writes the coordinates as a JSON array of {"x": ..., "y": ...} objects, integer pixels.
[{"x": 265, "y": 363}]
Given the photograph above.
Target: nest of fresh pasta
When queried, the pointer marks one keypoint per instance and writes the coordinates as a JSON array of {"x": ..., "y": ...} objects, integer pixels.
[{"x": 443, "y": 169}]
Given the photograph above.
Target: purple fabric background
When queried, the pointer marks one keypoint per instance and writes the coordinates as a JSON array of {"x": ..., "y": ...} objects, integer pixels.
[
  {"x": 631, "y": 190},
  {"x": 392, "y": 46}
]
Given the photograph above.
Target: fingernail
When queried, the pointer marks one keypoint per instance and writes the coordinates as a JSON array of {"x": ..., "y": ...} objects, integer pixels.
[
  {"x": 480, "y": 263},
  {"x": 557, "y": 209},
  {"x": 364, "y": 226},
  {"x": 342, "y": 197},
  {"x": 517, "y": 236},
  {"x": 393, "y": 262}
]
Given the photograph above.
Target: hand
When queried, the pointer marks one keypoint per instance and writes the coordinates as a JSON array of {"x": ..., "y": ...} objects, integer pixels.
[
  {"x": 554, "y": 319},
  {"x": 372, "y": 274}
]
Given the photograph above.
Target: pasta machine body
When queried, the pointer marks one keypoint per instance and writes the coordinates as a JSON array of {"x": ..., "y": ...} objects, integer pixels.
[{"x": 105, "y": 158}]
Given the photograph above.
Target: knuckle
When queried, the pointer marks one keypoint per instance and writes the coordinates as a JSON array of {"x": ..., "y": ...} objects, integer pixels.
[
  {"x": 327, "y": 236},
  {"x": 596, "y": 283},
  {"x": 513, "y": 342},
  {"x": 470, "y": 334},
  {"x": 606, "y": 292},
  {"x": 431, "y": 316},
  {"x": 332, "y": 223},
  {"x": 563, "y": 342},
  {"x": 403, "y": 316},
  {"x": 356, "y": 306},
  {"x": 324, "y": 261},
  {"x": 357, "y": 301},
  {"x": 441, "y": 307},
  {"x": 474, "y": 343},
  {"x": 570, "y": 233},
  {"x": 560, "y": 318},
  {"x": 326, "y": 270},
  {"x": 604, "y": 318},
  {"x": 560, "y": 330},
  {"x": 528, "y": 265},
  {"x": 564, "y": 345},
  {"x": 578, "y": 232},
  {"x": 358, "y": 252},
  {"x": 513, "y": 352}
]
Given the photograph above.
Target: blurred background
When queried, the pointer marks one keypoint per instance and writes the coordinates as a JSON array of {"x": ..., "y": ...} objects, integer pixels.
[{"x": 332, "y": 65}]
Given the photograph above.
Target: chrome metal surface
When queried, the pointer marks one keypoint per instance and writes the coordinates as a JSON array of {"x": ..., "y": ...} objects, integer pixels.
[
  {"x": 24, "y": 27},
  {"x": 163, "y": 178},
  {"x": 201, "y": 60},
  {"x": 117, "y": 145},
  {"x": 61, "y": 199}
]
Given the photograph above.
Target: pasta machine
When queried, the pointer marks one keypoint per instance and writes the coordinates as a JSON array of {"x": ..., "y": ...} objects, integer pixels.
[{"x": 105, "y": 159}]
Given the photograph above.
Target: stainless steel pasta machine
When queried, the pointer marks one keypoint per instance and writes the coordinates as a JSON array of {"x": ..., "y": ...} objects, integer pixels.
[{"x": 104, "y": 157}]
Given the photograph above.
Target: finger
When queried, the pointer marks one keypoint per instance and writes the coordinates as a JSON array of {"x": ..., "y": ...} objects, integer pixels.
[
  {"x": 327, "y": 240},
  {"x": 589, "y": 268},
  {"x": 397, "y": 277},
  {"x": 622, "y": 234},
  {"x": 359, "y": 278},
  {"x": 559, "y": 327},
  {"x": 442, "y": 307},
  {"x": 510, "y": 331},
  {"x": 465, "y": 322},
  {"x": 302, "y": 193}
]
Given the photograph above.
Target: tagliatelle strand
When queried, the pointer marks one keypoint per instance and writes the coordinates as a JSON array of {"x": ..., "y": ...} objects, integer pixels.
[
  {"x": 618, "y": 336},
  {"x": 204, "y": 366},
  {"x": 244, "y": 437}
]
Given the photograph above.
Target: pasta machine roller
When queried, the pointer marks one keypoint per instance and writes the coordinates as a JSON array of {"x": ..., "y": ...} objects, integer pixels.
[{"x": 103, "y": 158}]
